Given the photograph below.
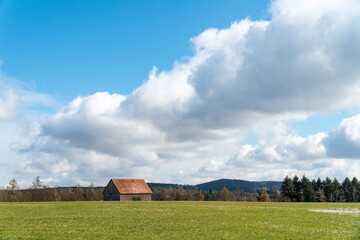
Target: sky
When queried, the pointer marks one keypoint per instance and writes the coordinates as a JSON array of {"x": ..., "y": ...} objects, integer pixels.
[{"x": 178, "y": 91}]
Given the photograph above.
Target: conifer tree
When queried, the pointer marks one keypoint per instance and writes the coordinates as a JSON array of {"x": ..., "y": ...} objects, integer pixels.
[
  {"x": 318, "y": 185},
  {"x": 287, "y": 188},
  {"x": 347, "y": 190},
  {"x": 337, "y": 192},
  {"x": 307, "y": 190},
  {"x": 355, "y": 189},
  {"x": 328, "y": 189},
  {"x": 298, "y": 193}
]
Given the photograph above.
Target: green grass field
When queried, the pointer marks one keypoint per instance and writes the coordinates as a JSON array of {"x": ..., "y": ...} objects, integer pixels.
[{"x": 176, "y": 220}]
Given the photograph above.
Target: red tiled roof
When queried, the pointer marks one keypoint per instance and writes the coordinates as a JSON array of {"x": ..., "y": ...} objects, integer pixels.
[{"x": 131, "y": 186}]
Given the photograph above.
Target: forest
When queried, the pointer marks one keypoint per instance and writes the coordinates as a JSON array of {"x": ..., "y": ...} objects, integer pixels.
[
  {"x": 304, "y": 190},
  {"x": 292, "y": 190}
]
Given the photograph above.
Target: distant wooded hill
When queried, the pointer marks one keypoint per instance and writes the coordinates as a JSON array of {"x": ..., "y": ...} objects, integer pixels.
[{"x": 230, "y": 184}]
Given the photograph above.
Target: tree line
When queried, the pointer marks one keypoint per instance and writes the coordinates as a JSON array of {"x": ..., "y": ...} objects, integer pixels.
[
  {"x": 39, "y": 192},
  {"x": 304, "y": 190},
  {"x": 292, "y": 190},
  {"x": 180, "y": 194}
]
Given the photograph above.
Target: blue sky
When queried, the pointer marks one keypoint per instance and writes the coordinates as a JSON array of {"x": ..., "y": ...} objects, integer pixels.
[
  {"x": 178, "y": 91},
  {"x": 105, "y": 46}
]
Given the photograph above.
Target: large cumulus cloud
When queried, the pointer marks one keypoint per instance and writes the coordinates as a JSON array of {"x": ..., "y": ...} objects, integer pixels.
[
  {"x": 344, "y": 140},
  {"x": 301, "y": 62}
]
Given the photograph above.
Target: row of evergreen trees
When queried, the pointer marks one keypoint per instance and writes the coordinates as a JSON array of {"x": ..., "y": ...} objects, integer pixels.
[{"x": 304, "y": 190}]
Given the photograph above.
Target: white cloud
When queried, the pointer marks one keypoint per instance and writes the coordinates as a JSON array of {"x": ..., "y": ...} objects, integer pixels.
[
  {"x": 8, "y": 106},
  {"x": 19, "y": 103},
  {"x": 279, "y": 147},
  {"x": 344, "y": 140},
  {"x": 254, "y": 73},
  {"x": 19, "y": 98}
]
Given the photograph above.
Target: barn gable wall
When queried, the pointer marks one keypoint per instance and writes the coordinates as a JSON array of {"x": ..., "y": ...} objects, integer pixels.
[
  {"x": 111, "y": 188},
  {"x": 111, "y": 193}
]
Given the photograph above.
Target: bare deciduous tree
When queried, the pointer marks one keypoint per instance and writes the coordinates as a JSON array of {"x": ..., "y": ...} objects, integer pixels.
[
  {"x": 14, "y": 194},
  {"x": 180, "y": 194},
  {"x": 225, "y": 195},
  {"x": 36, "y": 187},
  {"x": 263, "y": 196},
  {"x": 90, "y": 193},
  {"x": 198, "y": 196},
  {"x": 79, "y": 193}
]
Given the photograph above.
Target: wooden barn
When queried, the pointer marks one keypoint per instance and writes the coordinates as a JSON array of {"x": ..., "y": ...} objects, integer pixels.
[{"x": 127, "y": 190}]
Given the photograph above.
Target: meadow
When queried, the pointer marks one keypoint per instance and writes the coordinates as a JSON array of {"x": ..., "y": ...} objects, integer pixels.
[{"x": 176, "y": 220}]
